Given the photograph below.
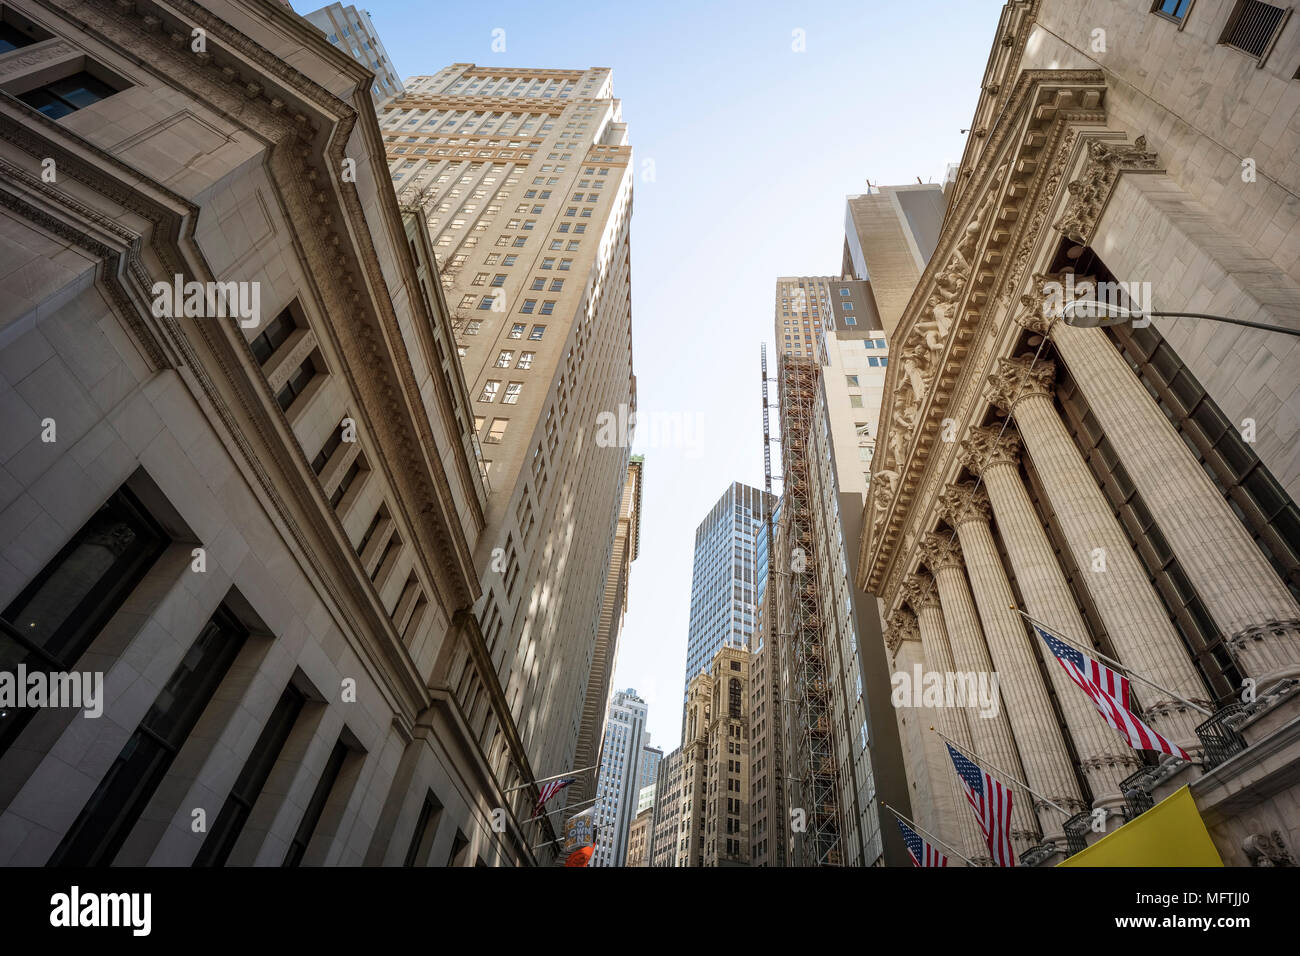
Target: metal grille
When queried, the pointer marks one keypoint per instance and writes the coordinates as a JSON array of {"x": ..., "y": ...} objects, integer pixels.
[
  {"x": 1220, "y": 740},
  {"x": 1253, "y": 27}
]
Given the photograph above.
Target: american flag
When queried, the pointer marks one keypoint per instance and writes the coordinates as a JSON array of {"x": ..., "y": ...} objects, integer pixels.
[
  {"x": 921, "y": 852},
  {"x": 1109, "y": 691},
  {"x": 992, "y": 804},
  {"x": 548, "y": 790}
]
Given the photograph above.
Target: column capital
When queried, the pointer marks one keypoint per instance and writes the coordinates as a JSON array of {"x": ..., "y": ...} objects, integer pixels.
[
  {"x": 919, "y": 591},
  {"x": 901, "y": 627},
  {"x": 964, "y": 501},
  {"x": 989, "y": 446},
  {"x": 1019, "y": 378},
  {"x": 1031, "y": 315},
  {"x": 940, "y": 551}
]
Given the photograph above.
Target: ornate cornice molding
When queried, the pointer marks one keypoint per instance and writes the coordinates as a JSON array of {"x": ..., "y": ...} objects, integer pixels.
[
  {"x": 1027, "y": 150},
  {"x": 1090, "y": 193}
]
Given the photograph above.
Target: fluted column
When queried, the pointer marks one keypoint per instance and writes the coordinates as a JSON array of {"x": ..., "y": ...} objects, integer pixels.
[
  {"x": 994, "y": 455},
  {"x": 1038, "y": 736},
  {"x": 1136, "y": 621},
  {"x": 990, "y": 733},
  {"x": 928, "y": 766},
  {"x": 960, "y": 830},
  {"x": 1236, "y": 583}
]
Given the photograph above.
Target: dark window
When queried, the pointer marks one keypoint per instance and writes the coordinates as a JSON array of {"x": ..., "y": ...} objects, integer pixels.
[
  {"x": 1174, "y": 9},
  {"x": 311, "y": 816},
  {"x": 426, "y": 829},
  {"x": 125, "y": 791},
  {"x": 458, "y": 847},
  {"x": 11, "y": 38},
  {"x": 292, "y": 388},
  {"x": 257, "y": 768},
  {"x": 67, "y": 95},
  {"x": 326, "y": 453},
  {"x": 346, "y": 483},
  {"x": 273, "y": 336},
  {"x": 56, "y": 617}
]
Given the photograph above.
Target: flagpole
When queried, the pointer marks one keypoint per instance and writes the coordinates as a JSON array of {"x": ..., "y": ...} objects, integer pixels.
[
  {"x": 561, "y": 809},
  {"x": 927, "y": 835},
  {"x": 1018, "y": 783},
  {"x": 557, "y": 776},
  {"x": 1110, "y": 660}
]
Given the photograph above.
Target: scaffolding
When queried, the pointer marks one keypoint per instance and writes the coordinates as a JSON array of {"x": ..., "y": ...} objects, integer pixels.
[
  {"x": 772, "y": 651},
  {"x": 802, "y": 626}
]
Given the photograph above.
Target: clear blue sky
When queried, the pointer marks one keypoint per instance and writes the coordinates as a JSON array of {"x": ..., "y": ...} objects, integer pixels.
[{"x": 754, "y": 148}]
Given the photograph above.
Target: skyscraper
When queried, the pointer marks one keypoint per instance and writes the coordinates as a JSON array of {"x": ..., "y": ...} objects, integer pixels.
[
  {"x": 525, "y": 180},
  {"x": 604, "y": 656},
  {"x": 618, "y": 785},
  {"x": 724, "y": 577},
  {"x": 353, "y": 32}
]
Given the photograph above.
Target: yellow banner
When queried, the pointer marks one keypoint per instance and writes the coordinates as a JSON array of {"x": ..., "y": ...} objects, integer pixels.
[{"x": 1171, "y": 833}]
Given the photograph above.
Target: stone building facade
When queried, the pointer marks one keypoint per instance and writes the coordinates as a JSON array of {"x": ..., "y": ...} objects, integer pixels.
[
  {"x": 1130, "y": 487},
  {"x": 259, "y": 528}
]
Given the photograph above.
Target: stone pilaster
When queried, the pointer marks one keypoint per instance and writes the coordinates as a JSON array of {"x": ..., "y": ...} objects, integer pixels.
[
  {"x": 1138, "y": 625},
  {"x": 1233, "y": 578},
  {"x": 993, "y": 454},
  {"x": 1043, "y": 753},
  {"x": 958, "y": 829},
  {"x": 990, "y": 733}
]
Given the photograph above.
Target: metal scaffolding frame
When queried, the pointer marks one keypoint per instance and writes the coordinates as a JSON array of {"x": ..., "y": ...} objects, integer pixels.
[{"x": 801, "y": 624}]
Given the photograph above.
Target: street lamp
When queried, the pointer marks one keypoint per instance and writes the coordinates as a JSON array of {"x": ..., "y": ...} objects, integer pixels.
[{"x": 1094, "y": 313}]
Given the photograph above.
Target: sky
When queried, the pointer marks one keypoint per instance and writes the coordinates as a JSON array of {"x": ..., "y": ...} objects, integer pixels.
[{"x": 745, "y": 149}]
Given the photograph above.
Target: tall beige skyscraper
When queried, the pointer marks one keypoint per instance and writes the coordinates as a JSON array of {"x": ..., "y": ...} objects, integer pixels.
[{"x": 525, "y": 180}]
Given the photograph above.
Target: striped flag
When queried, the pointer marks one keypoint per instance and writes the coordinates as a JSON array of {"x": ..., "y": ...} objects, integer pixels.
[
  {"x": 921, "y": 852},
  {"x": 992, "y": 805},
  {"x": 1109, "y": 691},
  {"x": 548, "y": 790}
]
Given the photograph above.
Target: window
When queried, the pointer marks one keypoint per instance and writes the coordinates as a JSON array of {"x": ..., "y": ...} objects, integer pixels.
[
  {"x": 505, "y": 358},
  {"x": 1253, "y": 27},
  {"x": 509, "y": 260},
  {"x": 844, "y": 293},
  {"x": 851, "y": 381},
  {"x": 1173, "y": 9},
  {"x": 498, "y": 280},
  {"x": 565, "y": 264},
  {"x": 349, "y": 477},
  {"x": 12, "y": 37},
  {"x": 121, "y": 797},
  {"x": 49, "y": 625},
  {"x": 61, "y": 97},
  {"x": 537, "y": 333},
  {"x": 472, "y": 326},
  {"x": 498, "y": 429},
  {"x": 557, "y": 285},
  {"x": 485, "y": 303},
  {"x": 525, "y": 360},
  {"x": 273, "y": 336},
  {"x": 517, "y": 330},
  {"x": 480, "y": 279},
  {"x": 548, "y": 262},
  {"x": 252, "y": 778},
  {"x": 316, "y": 807},
  {"x": 519, "y": 241},
  {"x": 845, "y": 306},
  {"x": 548, "y": 307},
  {"x": 297, "y": 383},
  {"x": 426, "y": 830},
  {"x": 327, "y": 451},
  {"x": 528, "y": 306},
  {"x": 490, "y": 389},
  {"x": 855, "y": 401},
  {"x": 539, "y": 284}
]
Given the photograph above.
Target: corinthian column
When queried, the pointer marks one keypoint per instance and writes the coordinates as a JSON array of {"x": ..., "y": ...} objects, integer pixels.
[
  {"x": 1038, "y": 734},
  {"x": 1136, "y": 621},
  {"x": 1234, "y": 580},
  {"x": 928, "y": 765},
  {"x": 990, "y": 732},
  {"x": 960, "y": 830},
  {"x": 994, "y": 455}
]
